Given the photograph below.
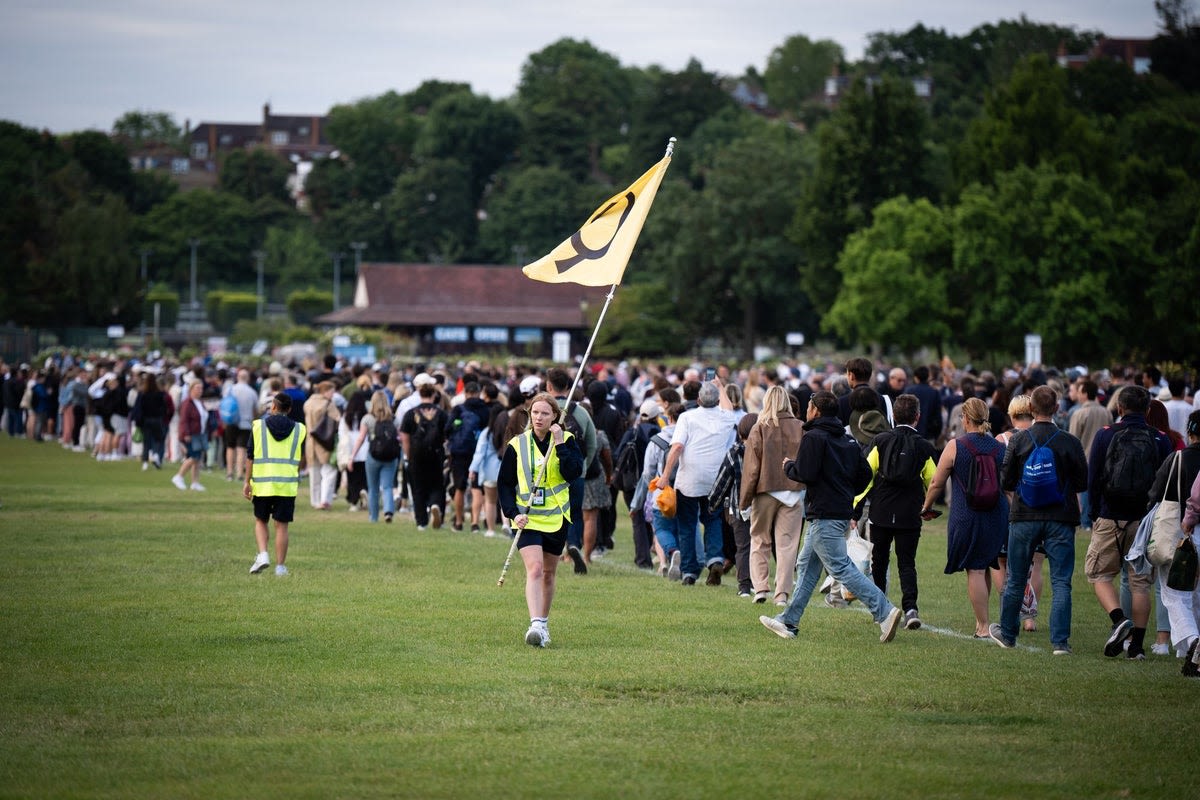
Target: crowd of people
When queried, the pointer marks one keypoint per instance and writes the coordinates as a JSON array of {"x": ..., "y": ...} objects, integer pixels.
[{"x": 722, "y": 473}]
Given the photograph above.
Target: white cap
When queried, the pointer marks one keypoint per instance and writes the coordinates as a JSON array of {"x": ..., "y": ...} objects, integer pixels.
[
  {"x": 650, "y": 409},
  {"x": 530, "y": 385},
  {"x": 422, "y": 379}
]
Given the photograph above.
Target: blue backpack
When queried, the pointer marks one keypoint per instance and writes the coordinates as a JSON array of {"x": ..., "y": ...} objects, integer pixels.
[
  {"x": 229, "y": 410},
  {"x": 1038, "y": 486}
]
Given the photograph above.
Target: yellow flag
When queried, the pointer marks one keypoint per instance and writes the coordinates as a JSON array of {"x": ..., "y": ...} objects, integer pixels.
[{"x": 597, "y": 253}]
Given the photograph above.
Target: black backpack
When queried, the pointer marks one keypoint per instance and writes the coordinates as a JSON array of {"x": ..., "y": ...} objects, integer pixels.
[
  {"x": 426, "y": 443},
  {"x": 1129, "y": 465},
  {"x": 385, "y": 445},
  {"x": 899, "y": 459},
  {"x": 630, "y": 460}
]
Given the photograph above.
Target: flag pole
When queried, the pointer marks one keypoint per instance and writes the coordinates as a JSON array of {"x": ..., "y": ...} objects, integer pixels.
[{"x": 562, "y": 415}]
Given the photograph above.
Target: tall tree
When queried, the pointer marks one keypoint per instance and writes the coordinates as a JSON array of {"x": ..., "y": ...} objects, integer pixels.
[
  {"x": 377, "y": 136},
  {"x": 226, "y": 227},
  {"x": 574, "y": 101},
  {"x": 255, "y": 174},
  {"x": 797, "y": 69},
  {"x": 894, "y": 279},
  {"x": 142, "y": 128},
  {"x": 529, "y": 211},
  {"x": 477, "y": 131},
  {"x": 433, "y": 212},
  {"x": 871, "y": 149}
]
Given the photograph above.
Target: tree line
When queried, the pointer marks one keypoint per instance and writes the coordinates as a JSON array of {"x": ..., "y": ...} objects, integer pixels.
[{"x": 1019, "y": 196}]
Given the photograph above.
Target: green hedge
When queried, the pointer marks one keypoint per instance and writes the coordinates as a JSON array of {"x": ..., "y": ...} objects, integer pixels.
[
  {"x": 306, "y": 305},
  {"x": 235, "y": 306}
]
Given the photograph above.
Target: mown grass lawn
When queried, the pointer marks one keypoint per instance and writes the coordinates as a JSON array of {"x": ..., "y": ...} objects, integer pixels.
[{"x": 138, "y": 658}]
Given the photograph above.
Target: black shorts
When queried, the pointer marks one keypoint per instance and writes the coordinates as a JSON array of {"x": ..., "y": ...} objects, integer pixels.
[
  {"x": 552, "y": 543},
  {"x": 460, "y": 467},
  {"x": 283, "y": 509},
  {"x": 236, "y": 437}
]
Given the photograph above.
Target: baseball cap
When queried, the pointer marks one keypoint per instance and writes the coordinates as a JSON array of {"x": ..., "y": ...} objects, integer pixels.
[
  {"x": 529, "y": 385},
  {"x": 422, "y": 379},
  {"x": 650, "y": 409}
]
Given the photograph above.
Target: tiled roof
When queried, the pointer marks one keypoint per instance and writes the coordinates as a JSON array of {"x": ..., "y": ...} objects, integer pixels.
[{"x": 423, "y": 295}]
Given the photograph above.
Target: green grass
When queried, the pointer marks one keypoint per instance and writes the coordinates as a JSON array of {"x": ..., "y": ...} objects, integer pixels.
[{"x": 139, "y": 659}]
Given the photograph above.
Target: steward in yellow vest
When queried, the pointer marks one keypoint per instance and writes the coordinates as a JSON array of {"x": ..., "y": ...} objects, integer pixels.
[
  {"x": 273, "y": 477},
  {"x": 533, "y": 485}
]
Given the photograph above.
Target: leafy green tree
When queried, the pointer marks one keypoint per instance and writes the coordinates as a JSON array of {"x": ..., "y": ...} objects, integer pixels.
[
  {"x": 573, "y": 100},
  {"x": 377, "y": 136},
  {"x": 638, "y": 325},
  {"x": 141, "y": 128},
  {"x": 529, "y": 211},
  {"x": 1049, "y": 253},
  {"x": 672, "y": 104},
  {"x": 294, "y": 258},
  {"x": 476, "y": 131},
  {"x": 226, "y": 227},
  {"x": 797, "y": 69},
  {"x": 1175, "y": 52},
  {"x": 872, "y": 148},
  {"x": 305, "y": 305},
  {"x": 894, "y": 279},
  {"x": 358, "y": 221},
  {"x": 433, "y": 212},
  {"x": 255, "y": 174},
  {"x": 420, "y": 100},
  {"x": 106, "y": 162},
  {"x": 1031, "y": 120}
]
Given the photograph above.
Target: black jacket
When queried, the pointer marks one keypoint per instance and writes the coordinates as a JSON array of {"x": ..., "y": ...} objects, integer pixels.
[
  {"x": 898, "y": 504},
  {"x": 831, "y": 466},
  {"x": 1189, "y": 460}
]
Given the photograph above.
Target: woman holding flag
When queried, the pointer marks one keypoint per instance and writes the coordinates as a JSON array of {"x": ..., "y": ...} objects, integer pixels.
[{"x": 533, "y": 483}]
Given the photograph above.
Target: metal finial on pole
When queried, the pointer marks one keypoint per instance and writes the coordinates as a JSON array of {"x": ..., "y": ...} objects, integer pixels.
[{"x": 671, "y": 146}]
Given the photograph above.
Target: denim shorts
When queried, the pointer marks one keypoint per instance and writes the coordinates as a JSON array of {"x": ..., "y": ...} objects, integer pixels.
[{"x": 197, "y": 446}]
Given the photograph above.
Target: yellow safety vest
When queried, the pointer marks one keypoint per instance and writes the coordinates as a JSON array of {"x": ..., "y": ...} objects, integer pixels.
[
  {"x": 549, "y": 516},
  {"x": 275, "y": 465}
]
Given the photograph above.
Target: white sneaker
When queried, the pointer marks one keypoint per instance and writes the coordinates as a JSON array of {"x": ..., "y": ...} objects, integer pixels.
[
  {"x": 489, "y": 534},
  {"x": 673, "y": 572},
  {"x": 280, "y": 571},
  {"x": 535, "y": 636},
  {"x": 1160, "y": 649},
  {"x": 888, "y": 627},
  {"x": 778, "y": 628},
  {"x": 261, "y": 562},
  {"x": 195, "y": 487},
  {"x": 179, "y": 483},
  {"x": 145, "y": 466}
]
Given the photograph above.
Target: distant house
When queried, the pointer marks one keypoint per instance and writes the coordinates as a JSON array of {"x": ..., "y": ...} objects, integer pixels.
[
  {"x": 1134, "y": 53},
  {"x": 451, "y": 308},
  {"x": 300, "y": 139},
  {"x": 836, "y": 86}
]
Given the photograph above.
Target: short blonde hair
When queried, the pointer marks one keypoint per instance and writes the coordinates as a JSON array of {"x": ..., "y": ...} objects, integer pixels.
[{"x": 1020, "y": 406}]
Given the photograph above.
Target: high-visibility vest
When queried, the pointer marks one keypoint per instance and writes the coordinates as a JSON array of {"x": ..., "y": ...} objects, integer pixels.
[
  {"x": 549, "y": 516},
  {"x": 275, "y": 465}
]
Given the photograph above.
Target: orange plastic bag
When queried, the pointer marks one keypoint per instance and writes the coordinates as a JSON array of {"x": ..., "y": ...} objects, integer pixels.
[{"x": 665, "y": 501}]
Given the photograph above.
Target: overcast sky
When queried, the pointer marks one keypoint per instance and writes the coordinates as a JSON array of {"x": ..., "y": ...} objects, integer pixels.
[{"x": 73, "y": 64}]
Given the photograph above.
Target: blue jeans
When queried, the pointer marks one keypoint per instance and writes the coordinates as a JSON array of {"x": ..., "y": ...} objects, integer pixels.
[
  {"x": 575, "y": 532},
  {"x": 1058, "y": 540},
  {"x": 666, "y": 531},
  {"x": 1085, "y": 510},
  {"x": 690, "y": 514},
  {"x": 381, "y": 477},
  {"x": 825, "y": 545}
]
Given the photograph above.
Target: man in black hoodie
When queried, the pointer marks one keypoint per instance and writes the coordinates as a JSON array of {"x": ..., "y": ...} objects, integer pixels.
[
  {"x": 273, "y": 477},
  {"x": 831, "y": 466}
]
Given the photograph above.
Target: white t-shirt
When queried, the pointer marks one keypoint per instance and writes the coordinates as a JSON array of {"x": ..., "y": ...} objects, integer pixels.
[{"x": 706, "y": 435}]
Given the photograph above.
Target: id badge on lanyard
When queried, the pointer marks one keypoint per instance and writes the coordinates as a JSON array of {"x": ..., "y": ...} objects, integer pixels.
[
  {"x": 538, "y": 495},
  {"x": 538, "y": 498}
]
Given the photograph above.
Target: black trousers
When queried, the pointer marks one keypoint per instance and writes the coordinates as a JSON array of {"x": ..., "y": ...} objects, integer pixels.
[
  {"x": 428, "y": 486},
  {"x": 906, "y": 540}
]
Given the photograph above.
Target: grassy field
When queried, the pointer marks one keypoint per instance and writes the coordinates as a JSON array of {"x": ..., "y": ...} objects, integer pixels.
[{"x": 139, "y": 659}]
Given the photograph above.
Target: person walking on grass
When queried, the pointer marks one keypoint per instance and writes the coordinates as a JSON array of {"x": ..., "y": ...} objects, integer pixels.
[
  {"x": 832, "y": 467},
  {"x": 193, "y": 422},
  {"x": 273, "y": 478},
  {"x": 534, "y": 486}
]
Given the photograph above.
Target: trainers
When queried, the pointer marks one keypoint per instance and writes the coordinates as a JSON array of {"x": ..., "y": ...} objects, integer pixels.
[
  {"x": 781, "y": 600},
  {"x": 474, "y": 529},
  {"x": 179, "y": 483},
  {"x": 435, "y": 517},
  {"x": 911, "y": 620},
  {"x": 1136, "y": 654},
  {"x": 760, "y": 597},
  {"x": 456, "y": 527},
  {"x": 1191, "y": 669},
  {"x": 1116, "y": 639},
  {"x": 1062, "y": 650},
  {"x": 281, "y": 570},
  {"x": 489, "y": 534},
  {"x": 145, "y": 466},
  {"x": 745, "y": 593},
  {"x": 714, "y": 575},
  {"x": 689, "y": 580},
  {"x": 387, "y": 516},
  {"x": 673, "y": 573},
  {"x": 1160, "y": 649},
  {"x": 994, "y": 633},
  {"x": 577, "y": 557},
  {"x": 535, "y": 636},
  {"x": 835, "y": 601},
  {"x": 195, "y": 487},
  {"x": 780, "y": 629},
  {"x": 156, "y": 461},
  {"x": 888, "y": 627},
  {"x": 261, "y": 562}
]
